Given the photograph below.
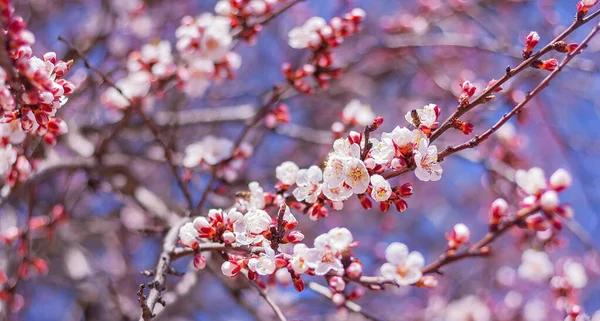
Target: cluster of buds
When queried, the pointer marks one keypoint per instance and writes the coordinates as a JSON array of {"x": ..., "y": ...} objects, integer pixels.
[
  {"x": 19, "y": 171},
  {"x": 460, "y": 235},
  {"x": 32, "y": 89},
  {"x": 379, "y": 192},
  {"x": 584, "y": 6},
  {"x": 467, "y": 91},
  {"x": 548, "y": 64},
  {"x": 279, "y": 115},
  {"x": 544, "y": 193},
  {"x": 463, "y": 126},
  {"x": 337, "y": 286},
  {"x": 320, "y": 37},
  {"x": 205, "y": 44},
  {"x": 530, "y": 42},
  {"x": 247, "y": 15}
]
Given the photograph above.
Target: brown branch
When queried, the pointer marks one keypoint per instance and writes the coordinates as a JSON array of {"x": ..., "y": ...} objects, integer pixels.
[
  {"x": 481, "y": 247},
  {"x": 480, "y": 138},
  {"x": 162, "y": 268},
  {"x": 483, "y": 97}
]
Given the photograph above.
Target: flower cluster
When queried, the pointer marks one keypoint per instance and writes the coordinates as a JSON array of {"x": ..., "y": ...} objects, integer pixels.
[
  {"x": 151, "y": 66},
  {"x": 357, "y": 113},
  {"x": 544, "y": 193},
  {"x": 205, "y": 43},
  {"x": 247, "y": 15},
  {"x": 32, "y": 89},
  {"x": 271, "y": 244},
  {"x": 320, "y": 37},
  {"x": 402, "y": 267},
  {"x": 211, "y": 151},
  {"x": 357, "y": 168}
]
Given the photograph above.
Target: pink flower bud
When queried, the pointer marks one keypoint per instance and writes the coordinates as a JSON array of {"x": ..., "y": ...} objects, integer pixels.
[
  {"x": 560, "y": 180},
  {"x": 230, "y": 268},
  {"x": 199, "y": 261},
  {"x": 460, "y": 234},
  {"x": 365, "y": 202},
  {"x": 549, "y": 201},
  {"x": 354, "y": 270},
  {"x": 40, "y": 265},
  {"x": 337, "y": 283},
  {"x": 549, "y": 64},
  {"x": 536, "y": 223},
  {"x": 397, "y": 163},
  {"x": 299, "y": 284},
  {"x": 228, "y": 237},
  {"x": 354, "y": 137},
  {"x": 530, "y": 42},
  {"x": 565, "y": 211},
  {"x": 293, "y": 237},
  {"x": 400, "y": 204},
  {"x": 377, "y": 121},
  {"x": 338, "y": 299},
  {"x": 428, "y": 282},
  {"x": 498, "y": 209},
  {"x": 406, "y": 190}
]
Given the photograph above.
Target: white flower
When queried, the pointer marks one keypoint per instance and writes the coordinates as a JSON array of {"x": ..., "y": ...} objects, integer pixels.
[
  {"x": 8, "y": 156},
  {"x": 298, "y": 260},
  {"x": 549, "y": 201},
  {"x": 532, "y": 181},
  {"x": 359, "y": 113},
  {"x": 403, "y": 136},
  {"x": 309, "y": 184},
  {"x": 561, "y": 179},
  {"x": 188, "y": 235},
  {"x": 535, "y": 266},
  {"x": 223, "y": 8},
  {"x": 257, "y": 195},
  {"x": 357, "y": 175},
  {"x": 257, "y": 221},
  {"x": 402, "y": 267},
  {"x": 337, "y": 194},
  {"x": 469, "y": 308},
  {"x": 135, "y": 85},
  {"x": 381, "y": 188},
  {"x": 427, "y": 116},
  {"x": 265, "y": 264},
  {"x": 216, "y": 42},
  {"x": 197, "y": 77},
  {"x": 211, "y": 150},
  {"x": 159, "y": 55},
  {"x": 205, "y": 37},
  {"x": 382, "y": 151},
  {"x": 335, "y": 170},
  {"x": 575, "y": 274},
  {"x": 13, "y": 132},
  {"x": 286, "y": 172},
  {"x": 325, "y": 256},
  {"x": 426, "y": 158},
  {"x": 307, "y": 35}
]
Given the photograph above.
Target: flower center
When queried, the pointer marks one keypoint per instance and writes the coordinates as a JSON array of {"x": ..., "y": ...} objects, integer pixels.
[{"x": 402, "y": 270}]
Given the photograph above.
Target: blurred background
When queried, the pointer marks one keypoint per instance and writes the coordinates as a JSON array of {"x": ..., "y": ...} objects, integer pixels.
[{"x": 409, "y": 54}]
